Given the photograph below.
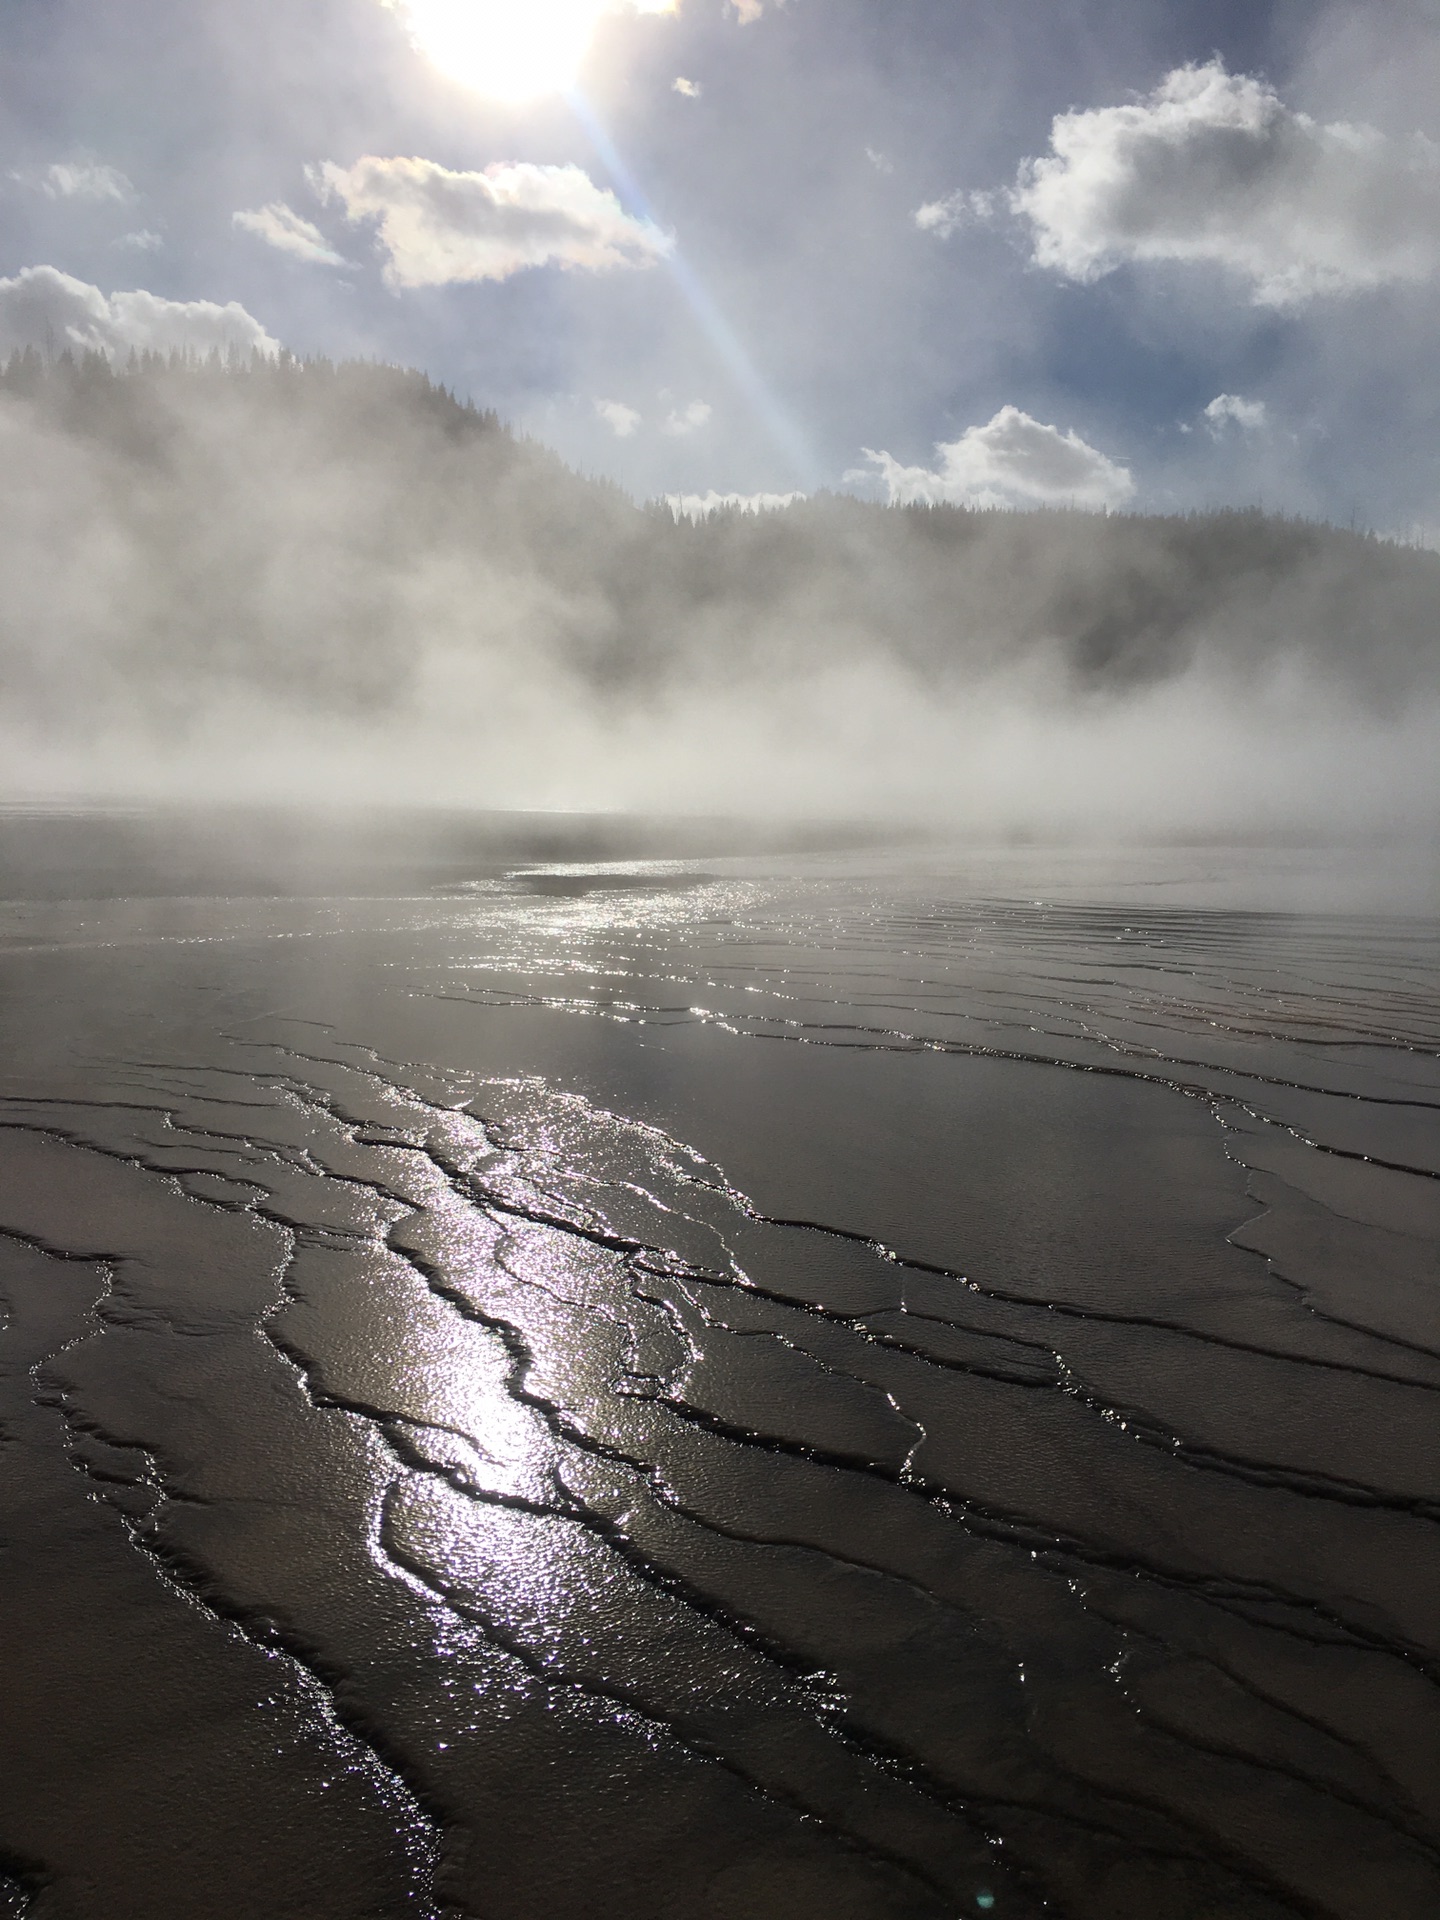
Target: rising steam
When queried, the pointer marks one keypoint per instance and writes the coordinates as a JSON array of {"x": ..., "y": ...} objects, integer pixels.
[{"x": 301, "y": 581}]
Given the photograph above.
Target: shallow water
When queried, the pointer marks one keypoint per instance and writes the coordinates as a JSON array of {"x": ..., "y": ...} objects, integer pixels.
[{"x": 853, "y": 1388}]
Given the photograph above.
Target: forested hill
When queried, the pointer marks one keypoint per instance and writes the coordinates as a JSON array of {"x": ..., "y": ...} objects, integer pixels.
[{"x": 329, "y": 537}]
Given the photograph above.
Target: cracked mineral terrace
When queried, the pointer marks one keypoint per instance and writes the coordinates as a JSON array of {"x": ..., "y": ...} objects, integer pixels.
[{"x": 808, "y": 1386}]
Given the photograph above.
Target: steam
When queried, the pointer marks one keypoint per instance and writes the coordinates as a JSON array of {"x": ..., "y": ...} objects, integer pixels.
[
  {"x": 700, "y": 506},
  {"x": 305, "y": 582}
]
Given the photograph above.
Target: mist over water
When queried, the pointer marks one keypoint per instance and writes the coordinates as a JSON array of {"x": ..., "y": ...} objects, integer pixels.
[
  {"x": 811, "y": 1335},
  {"x": 307, "y": 583}
]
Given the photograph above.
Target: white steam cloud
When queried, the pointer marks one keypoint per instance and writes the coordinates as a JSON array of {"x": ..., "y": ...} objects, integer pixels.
[
  {"x": 1213, "y": 169},
  {"x": 1231, "y": 410},
  {"x": 281, "y": 227},
  {"x": 1012, "y": 461},
  {"x": 84, "y": 180},
  {"x": 621, "y": 420},
  {"x": 700, "y": 506},
  {"x": 681, "y": 421},
  {"x": 339, "y": 582},
  {"x": 42, "y": 307},
  {"x": 962, "y": 209},
  {"x": 439, "y": 227}
]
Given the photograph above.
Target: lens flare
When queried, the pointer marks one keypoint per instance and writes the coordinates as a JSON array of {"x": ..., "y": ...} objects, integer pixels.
[{"x": 512, "y": 50}]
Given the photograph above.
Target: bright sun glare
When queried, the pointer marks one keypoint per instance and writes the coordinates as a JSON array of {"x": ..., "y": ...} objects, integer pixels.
[{"x": 512, "y": 50}]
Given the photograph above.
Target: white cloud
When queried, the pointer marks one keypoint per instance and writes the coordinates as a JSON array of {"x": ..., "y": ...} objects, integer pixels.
[
  {"x": 439, "y": 227},
  {"x": 143, "y": 240},
  {"x": 690, "y": 88},
  {"x": 621, "y": 420},
  {"x": 84, "y": 180},
  {"x": 699, "y": 506},
  {"x": 956, "y": 210},
  {"x": 281, "y": 227},
  {"x": 881, "y": 162},
  {"x": 41, "y": 305},
  {"x": 1214, "y": 169},
  {"x": 747, "y": 11},
  {"x": 689, "y": 419},
  {"x": 1012, "y": 461},
  {"x": 1229, "y": 409}
]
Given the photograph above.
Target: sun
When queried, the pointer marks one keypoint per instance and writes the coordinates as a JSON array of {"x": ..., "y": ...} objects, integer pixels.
[{"x": 512, "y": 50}]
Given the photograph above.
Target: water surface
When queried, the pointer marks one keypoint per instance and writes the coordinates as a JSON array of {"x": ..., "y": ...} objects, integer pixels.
[{"x": 858, "y": 1386}]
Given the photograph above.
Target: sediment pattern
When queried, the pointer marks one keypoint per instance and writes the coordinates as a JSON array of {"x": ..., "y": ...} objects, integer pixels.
[{"x": 724, "y": 1401}]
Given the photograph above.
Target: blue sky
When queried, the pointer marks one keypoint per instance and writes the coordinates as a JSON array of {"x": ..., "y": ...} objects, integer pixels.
[{"x": 1166, "y": 255}]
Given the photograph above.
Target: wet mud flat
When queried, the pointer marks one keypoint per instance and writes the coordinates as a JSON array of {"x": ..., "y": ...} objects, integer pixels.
[{"x": 791, "y": 1390}]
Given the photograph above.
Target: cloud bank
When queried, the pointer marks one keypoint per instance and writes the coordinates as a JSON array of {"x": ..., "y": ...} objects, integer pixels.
[
  {"x": 439, "y": 228},
  {"x": 42, "y": 307},
  {"x": 1012, "y": 461},
  {"x": 1213, "y": 169}
]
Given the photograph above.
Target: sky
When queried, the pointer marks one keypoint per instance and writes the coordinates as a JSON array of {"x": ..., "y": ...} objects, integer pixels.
[{"x": 1130, "y": 254}]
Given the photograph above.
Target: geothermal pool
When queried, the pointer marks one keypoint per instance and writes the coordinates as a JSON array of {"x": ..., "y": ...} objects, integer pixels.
[{"x": 843, "y": 1386}]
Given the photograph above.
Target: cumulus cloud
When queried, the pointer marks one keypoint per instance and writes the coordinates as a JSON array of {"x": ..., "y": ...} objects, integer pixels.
[
  {"x": 699, "y": 506},
  {"x": 690, "y": 88},
  {"x": 439, "y": 227},
  {"x": 956, "y": 210},
  {"x": 1231, "y": 410},
  {"x": 747, "y": 11},
  {"x": 1012, "y": 461},
  {"x": 683, "y": 420},
  {"x": 84, "y": 180},
  {"x": 143, "y": 240},
  {"x": 41, "y": 305},
  {"x": 621, "y": 420},
  {"x": 1213, "y": 168},
  {"x": 281, "y": 227}
]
